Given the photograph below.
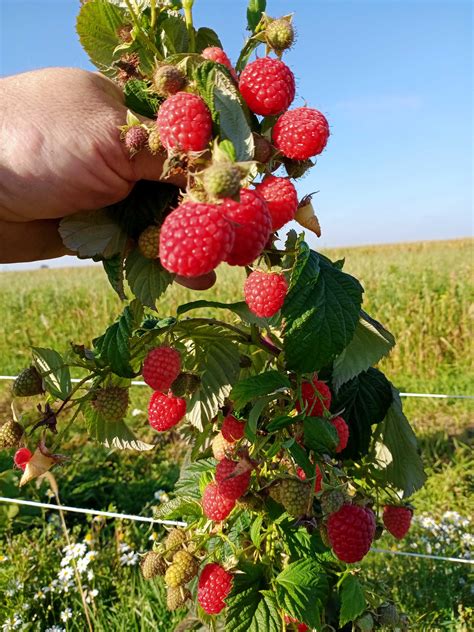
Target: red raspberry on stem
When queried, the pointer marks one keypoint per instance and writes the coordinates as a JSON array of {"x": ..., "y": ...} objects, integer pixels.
[
  {"x": 267, "y": 86},
  {"x": 195, "y": 238},
  {"x": 318, "y": 480},
  {"x": 216, "y": 506},
  {"x": 252, "y": 226},
  {"x": 316, "y": 398},
  {"x": 232, "y": 429},
  {"x": 165, "y": 411},
  {"x": 184, "y": 123},
  {"x": 265, "y": 292},
  {"x": 351, "y": 531},
  {"x": 342, "y": 432},
  {"x": 301, "y": 133},
  {"x": 231, "y": 485},
  {"x": 214, "y": 53},
  {"x": 161, "y": 367},
  {"x": 214, "y": 585},
  {"x": 301, "y": 627},
  {"x": 281, "y": 197},
  {"x": 22, "y": 457},
  {"x": 397, "y": 520}
]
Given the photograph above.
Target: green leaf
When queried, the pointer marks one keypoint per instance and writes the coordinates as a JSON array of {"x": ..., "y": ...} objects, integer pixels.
[
  {"x": 112, "y": 434},
  {"x": 114, "y": 345},
  {"x": 255, "y": 531},
  {"x": 114, "y": 269},
  {"x": 178, "y": 508},
  {"x": 300, "y": 456},
  {"x": 255, "y": 9},
  {"x": 254, "y": 415},
  {"x": 139, "y": 99},
  {"x": 352, "y": 600},
  {"x": 92, "y": 233},
  {"x": 282, "y": 422},
  {"x": 257, "y": 386},
  {"x": 250, "y": 606},
  {"x": 54, "y": 371},
  {"x": 204, "y": 78},
  {"x": 147, "y": 278},
  {"x": 371, "y": 342},
  {"x": 396, "y": 451},
  {"x": 191, "y": 473},
  {"x": 97, "y": 26},
  {"x": 301, "y": 590},
  {"x": 174, "y": 35},
  {"x": 206, "y": 37},
  {"x": 240, "y": 308},
  {"x": 320, "y": 435},
  {"x": 365, "y": 401},
  {"x": 321, "y": 312}
]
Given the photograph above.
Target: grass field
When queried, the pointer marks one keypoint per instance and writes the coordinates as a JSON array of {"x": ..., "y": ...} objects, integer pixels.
[{"x": 422, "y": 292}]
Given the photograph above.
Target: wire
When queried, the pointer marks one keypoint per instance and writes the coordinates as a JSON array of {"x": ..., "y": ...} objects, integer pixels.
[{"x": 424, "y": 555}]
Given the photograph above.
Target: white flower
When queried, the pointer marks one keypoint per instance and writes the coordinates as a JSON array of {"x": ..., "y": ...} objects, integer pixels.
[
  {"x": 129, "y": 559},
  {"x": 49, "y": 493},
  {"x": 3, "y": 558},
  {"x": 66, "y": 614},
  {"x": 39, "y": 595},
  {"x": 90, "y": 575},
  {"x": 161, "y": 496},
  {"x": 13, "y": 623},
  {"x": 55, "y": 628},
  {"x": 65, "y": 574}
]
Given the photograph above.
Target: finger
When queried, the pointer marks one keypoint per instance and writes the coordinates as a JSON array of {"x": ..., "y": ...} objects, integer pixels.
[
  {"x": 30, "y": 241},
  {"x": 203, "y": 282}
]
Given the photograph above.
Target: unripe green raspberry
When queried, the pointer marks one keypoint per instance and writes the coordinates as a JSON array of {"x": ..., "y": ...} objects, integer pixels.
[
  {"x": 154, "y": 142},
  {"x": 148, "y": 242},
  {"x": 10, "y": 434},
  {"x": 168, "y": 80},
  {"x": 111, "y": 402},
  {"x": 176, "y": 597},
  {"x": 294, "y": 495},
  {"x": 222, "y": 180},
  {"x": 185, "y": 384},
  {"x": 28, "y": 383},
  {"x": 387, "y": 615},
  {"x": 175, "y": 540},
  {"x": 152, "y": 565},
  {"x": 280, "y": 34},
  {"x": 323, "y": 532},
  {"x": 332, "y": 501},
  {"x": 182, "y": 570},
  {"x": 297, "y": 168},
  {"x": 250, "y": 502},
  {"x": 365, "y": 623}
]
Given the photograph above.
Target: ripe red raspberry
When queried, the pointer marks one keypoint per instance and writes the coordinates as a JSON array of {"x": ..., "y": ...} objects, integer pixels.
[
  {"x": 397, "y": 520},
  {"x": 351, "y": 531},
  {"x": 267, "y": 86},
  {"x": 252, "y": 226},
  {"x": 214, "y": 53},
  {"x": 161, "y": 367},
  {"x": 184, "y": 122},
  {"x": 165, "y": 411},
  {"x": 281, "y": 197},
  {"x": 316, "y": 398},
  {"x": 231, "y": 485},
  {"x": 318, "y": 480},
  {"x": 215, "y": 505},
  {"x": 301, "y": 133},
  {"x": 21, "y": 457},
  {"x": 195, "y": 238},
  {"x": 214, "y": 585},
  {"x": 342, "y": 432},
  {"x": 232, "y": 429},
  {"x": 301, "y": 627},
  {"x": 265, "y": 292}
]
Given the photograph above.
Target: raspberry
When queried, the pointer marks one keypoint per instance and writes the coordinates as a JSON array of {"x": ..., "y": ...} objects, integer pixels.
[
  {"x": 214, "y": 53},
  {"x": 222, "y": 180},
  {"x": 265, "y": 293},
  {"x": 135, "y": 138},
  {"x": 301, "y": 133},
  {"x": 267, "y": 86},
  {"x": 232, "y": 429},
  {"x": 332, "y": 501},
  {"x": 194, "y": 239},
  {"x": 318, "y": 479},
  {"x": 176, "y": 597},
  {"x": 342, "y": 432},
  {"x": 293, "y": 494},
  {"x": 124, "y": 33},
  {"x": 21, "y": 457},
  {"x": 397, "y": 520},
  {"x": 281, "y": 197},
  {"x": 184, "y": 123},
  {"x": 182, "y": 570},
  {"x": 301, "y": 627},
  {"x": 221, "y": 447},
  {"x": 175, "y": 539},
  {"x": 148, "y": 242},
  {"x": 168, "y": 80},
  {"x": 351, "y": 531},
  {"x": 27, "y": 383},
  {"x": 316, "y": 398},
  {"x": 296, "y": 168},
  {"x": 252, "y": 227},
  {"x": 215, "y": 505},
  {"x": 161, "y": 367},
  {"x": 154, "y": 142},
  {"x": 165, "y": 411},
  {"x": 214, "y": 585},
  {"x": 10, "y": 434},
  {"x": 111, "y": 402},
  {"x": 263, "y": 149},
  {"x": 365, "y": 623},
  {"x": 231, "y": 485},
  {"x": 152, "y": 565},
  {"x": 185, "y": 383},
  {"x": 280, "y": 35}
]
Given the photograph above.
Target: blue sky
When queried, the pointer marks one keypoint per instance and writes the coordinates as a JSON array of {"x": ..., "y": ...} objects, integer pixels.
[{"x": 394, "y": 79}]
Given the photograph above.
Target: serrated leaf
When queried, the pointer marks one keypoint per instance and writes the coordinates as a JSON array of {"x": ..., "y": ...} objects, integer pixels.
[
  {"x": 255, "y": 531},
  {"x": 139, "y": 99},
  {"x": 147, "y": 278},
  {"x": 258, "y": 386},
  {"x": 352, "y": 600},
  {"x": 321, "y": 313},
  {"x": 320, "y": 435},
  {"x": 255, "y": 9},
  {"x": 365, "y": 401},
  {"x": 178, "y": 508},
  {"x": 191, "y": 473},
  {"x": 206, "y": 37},
  {"x": 97, "y": 26},
  {"x": 92, "y": 233},
  {"x": 54, "y": 371},
  {"x": 254, "y": 415},
  {"x": 240, "y": 308},
  {"x": 371, "y": 342},
  {"x": 402, "y": 466},
  {"x": 114, "y": 269},
  {"x": 114, "y": 434},
  {"x": 173, "y": 35},
  {"x": 301, "y": 590}
]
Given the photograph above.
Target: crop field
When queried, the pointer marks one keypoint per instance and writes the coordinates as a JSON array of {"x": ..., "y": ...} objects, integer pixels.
[{"x": 422, "y": 292}]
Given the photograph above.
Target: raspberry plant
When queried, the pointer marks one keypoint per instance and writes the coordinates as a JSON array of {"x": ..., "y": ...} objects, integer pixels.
[{"x": 297, "y": 441}]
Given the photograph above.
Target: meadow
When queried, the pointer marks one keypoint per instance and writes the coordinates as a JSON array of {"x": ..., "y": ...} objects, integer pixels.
[{"x": 422, "y": 292}]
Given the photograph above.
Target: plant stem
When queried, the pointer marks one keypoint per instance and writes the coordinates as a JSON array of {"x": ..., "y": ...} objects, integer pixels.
[
  {"x": 188, "y": 16},
  {"x": 64, "y": 430},
  {"x": 153, "y": 13},
  {"x": 141, "y": 31}
]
